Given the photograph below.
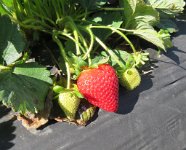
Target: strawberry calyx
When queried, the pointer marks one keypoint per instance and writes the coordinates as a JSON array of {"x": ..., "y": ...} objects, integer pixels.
[
  {"x": 140, "y": 58},
  {"x": 79, "y": 64},
  {"x": 57, "y": 89}
]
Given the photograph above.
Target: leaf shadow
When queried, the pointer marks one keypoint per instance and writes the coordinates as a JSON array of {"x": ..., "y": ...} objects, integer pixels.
[
  {"x": 172, "y": 52},
  {"x": 173, "y": 56},
  {"x": 6, "y": 130},
  {"x": 128, "y": 99}
]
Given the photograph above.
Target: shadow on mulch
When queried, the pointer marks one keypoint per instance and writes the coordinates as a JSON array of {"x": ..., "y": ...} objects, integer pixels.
[
  {"x": 6, "y": 130},
  {"x": 172, "y": 53},
  {"x": 128, "y": 99}
]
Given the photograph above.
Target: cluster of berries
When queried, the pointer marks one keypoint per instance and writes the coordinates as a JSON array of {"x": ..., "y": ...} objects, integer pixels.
[{"x": 100, "y": 87}]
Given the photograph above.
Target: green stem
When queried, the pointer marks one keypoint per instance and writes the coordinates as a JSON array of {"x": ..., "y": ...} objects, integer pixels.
[
  {"x": 77, "y": 34},
  {"x": 68, "y": 75},
  {"x": 62, "y": 51},
  {"x": 67, "y": 62},
  {"x": 40, "y": 23},
  {"x": 118, "y": 32},
  {"x": 74, "y": 27},
  {"x": 56, "y": 9},
  {"x": 109, "y": 51},
  {"x": 77, "y": 42},
  {"x": 74, "y": 40},
  {"x": 91, "y": 44},
  {"x": 112, "y": 9},
  {"x": 4, "y": 68}
]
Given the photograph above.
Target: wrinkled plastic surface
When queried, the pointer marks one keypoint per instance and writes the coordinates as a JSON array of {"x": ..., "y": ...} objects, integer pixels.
[{"x": 153, "y": 117}]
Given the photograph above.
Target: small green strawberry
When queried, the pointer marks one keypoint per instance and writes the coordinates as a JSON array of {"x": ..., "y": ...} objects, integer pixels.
[
  {"x": 130, "y": 78},
  {"x": 69, "y": 103}
]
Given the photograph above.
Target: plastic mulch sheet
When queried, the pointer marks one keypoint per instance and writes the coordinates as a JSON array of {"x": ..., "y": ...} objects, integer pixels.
[{"x": 153, "y": 117}]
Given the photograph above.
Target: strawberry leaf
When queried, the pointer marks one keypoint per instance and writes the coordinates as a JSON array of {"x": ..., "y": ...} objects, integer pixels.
[
  {"x": 103, "y": 18},
  {"x": 12, "y": 42},
  {"x": 140, "y": 19},
  {"x": 166, "y": 37},
  {"x": 25, "y": 87},
  {"x": 6, "y": 6},
  {"x": 167, "y": 9},
  {"x": 92, "y": 4},
  {"x": 126, "y": 58},
  {"x": 98, "y": 60}
]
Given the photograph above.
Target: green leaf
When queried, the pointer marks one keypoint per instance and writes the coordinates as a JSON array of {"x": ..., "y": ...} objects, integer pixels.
[
  {"x": 124, "y": 57},
  {"x": 129, "y": 8},
  {"x": 25, "y": 87},
  {"x": 136, "y": 11},
  {"x": 170, "y": 7},
  {"x": 166, "y": 37},
  {"x": 148, "y": 33},
  {"x": 98, "y": 60},
  {"x": 140, "y": 19},
  {"x": 167, "y": 9},
  {"x": 92, "y": 4},
  {"x": 104, "y": 18},
  {"x": 12, "y": 42},
  {"x": 6, "y": 6}
]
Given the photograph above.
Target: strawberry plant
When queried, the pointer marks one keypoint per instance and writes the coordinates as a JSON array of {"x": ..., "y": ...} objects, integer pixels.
[{"x": 83, "y": 49}]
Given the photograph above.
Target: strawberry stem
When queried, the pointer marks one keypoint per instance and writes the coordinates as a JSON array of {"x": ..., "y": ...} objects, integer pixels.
[
  {"x": 4, "y": 68},
  {"x": 67, "y": 62},
  {"x": 68, "y": 75},
  {"x": 73, "y": 39},
  {"x": 118, "y": 32},
  {"x": 77, "y": 42},
  {"x": 77, "y": 33},
  {"x": 111, "y": 9},
  {"x": 92, "y": 38}
]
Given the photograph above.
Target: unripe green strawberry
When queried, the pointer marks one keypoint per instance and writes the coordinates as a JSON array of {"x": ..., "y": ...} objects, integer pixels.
[
  {"x": 130, "y": 79},
  {"x": 69, "y": 103}
]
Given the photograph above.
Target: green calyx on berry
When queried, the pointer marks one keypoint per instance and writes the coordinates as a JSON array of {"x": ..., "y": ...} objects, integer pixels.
[
  {"x": 79, "y": 64},
  {"x": 130, "y": 78},
  {"x": 140, "y": 58}
]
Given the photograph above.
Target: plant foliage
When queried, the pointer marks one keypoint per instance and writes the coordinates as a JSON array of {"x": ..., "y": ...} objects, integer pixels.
[{"x": 86, "y": 33}]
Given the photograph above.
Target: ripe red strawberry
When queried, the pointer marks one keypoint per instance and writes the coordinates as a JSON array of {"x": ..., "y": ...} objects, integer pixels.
[{"x": 100, "y": 87}]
